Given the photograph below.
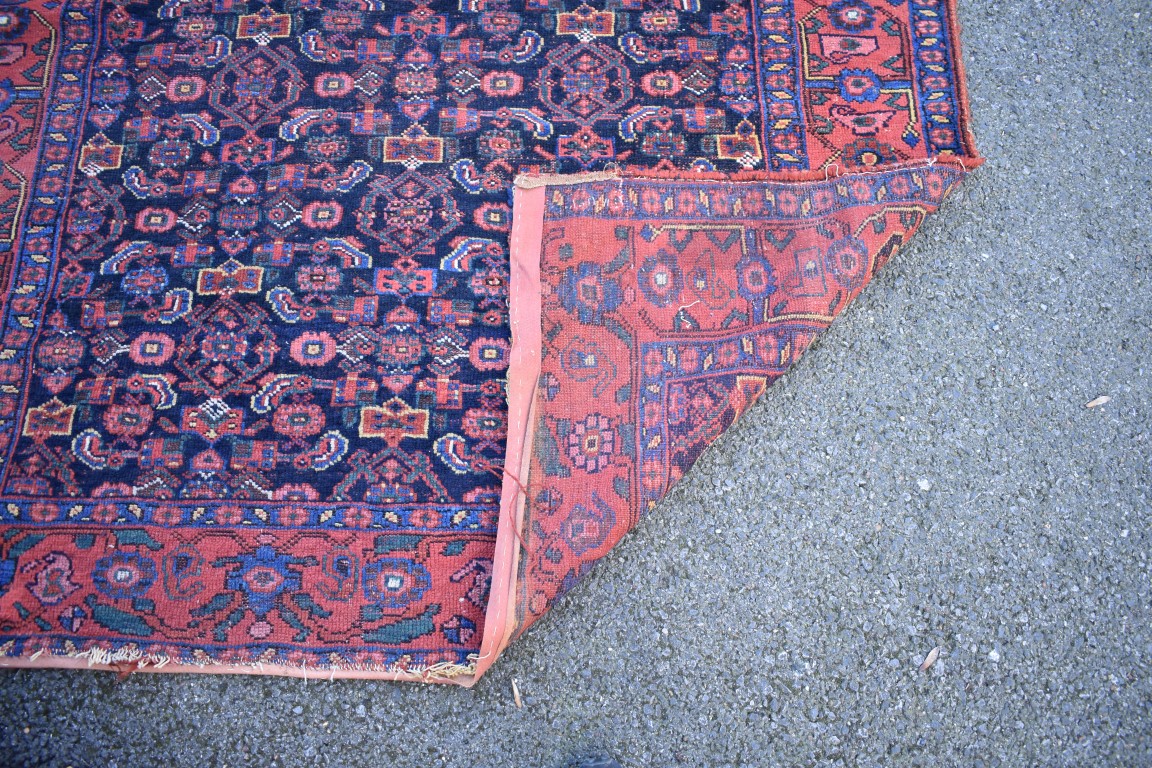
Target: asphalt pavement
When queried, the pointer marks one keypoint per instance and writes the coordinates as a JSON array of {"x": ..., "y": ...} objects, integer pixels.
[{"x": 927, "y": 477}]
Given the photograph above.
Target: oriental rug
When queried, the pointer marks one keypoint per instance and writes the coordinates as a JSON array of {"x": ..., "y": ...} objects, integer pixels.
[{"x": 343, "y": 338}]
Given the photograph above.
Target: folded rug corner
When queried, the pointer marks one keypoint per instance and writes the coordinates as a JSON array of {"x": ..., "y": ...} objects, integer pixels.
[{"x": 342, "y": 339}]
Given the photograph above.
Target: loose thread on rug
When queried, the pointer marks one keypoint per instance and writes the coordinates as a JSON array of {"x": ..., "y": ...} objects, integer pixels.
[{"x": 500, "y": 471}]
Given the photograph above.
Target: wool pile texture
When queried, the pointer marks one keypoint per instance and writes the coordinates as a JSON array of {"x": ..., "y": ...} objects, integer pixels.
[{"x": 343, "y": 338}]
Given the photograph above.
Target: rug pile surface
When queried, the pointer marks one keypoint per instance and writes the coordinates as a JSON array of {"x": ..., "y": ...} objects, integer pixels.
[{"x": 343, "y": 338}]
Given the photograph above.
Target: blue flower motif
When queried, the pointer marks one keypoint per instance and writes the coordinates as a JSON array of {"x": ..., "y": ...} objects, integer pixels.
[
  {"x": 395, "y": 583},
  {"x": 13, "y": 22},
  {"x": 755, "y": 280},
  {"x": 851, "y": 15},
  {"x": 585, "y": 291},
  {"x": 145, "y": 281},
  {"x": 124, "y": 575},
  {"x": 263, "y": 576},
  {"x": 859, "y": 85},
  {"x": 660, "y": 279},
  {"x": 588, "y": 527},
  {"x": 847, "y": 259}
]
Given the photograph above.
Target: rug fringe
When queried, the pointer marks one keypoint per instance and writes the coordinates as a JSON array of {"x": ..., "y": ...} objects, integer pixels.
[{"x": 131, "y": 659}]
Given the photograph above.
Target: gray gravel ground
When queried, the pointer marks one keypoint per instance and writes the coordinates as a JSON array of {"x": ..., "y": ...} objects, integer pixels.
[{"x": 928, "y": 477}]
